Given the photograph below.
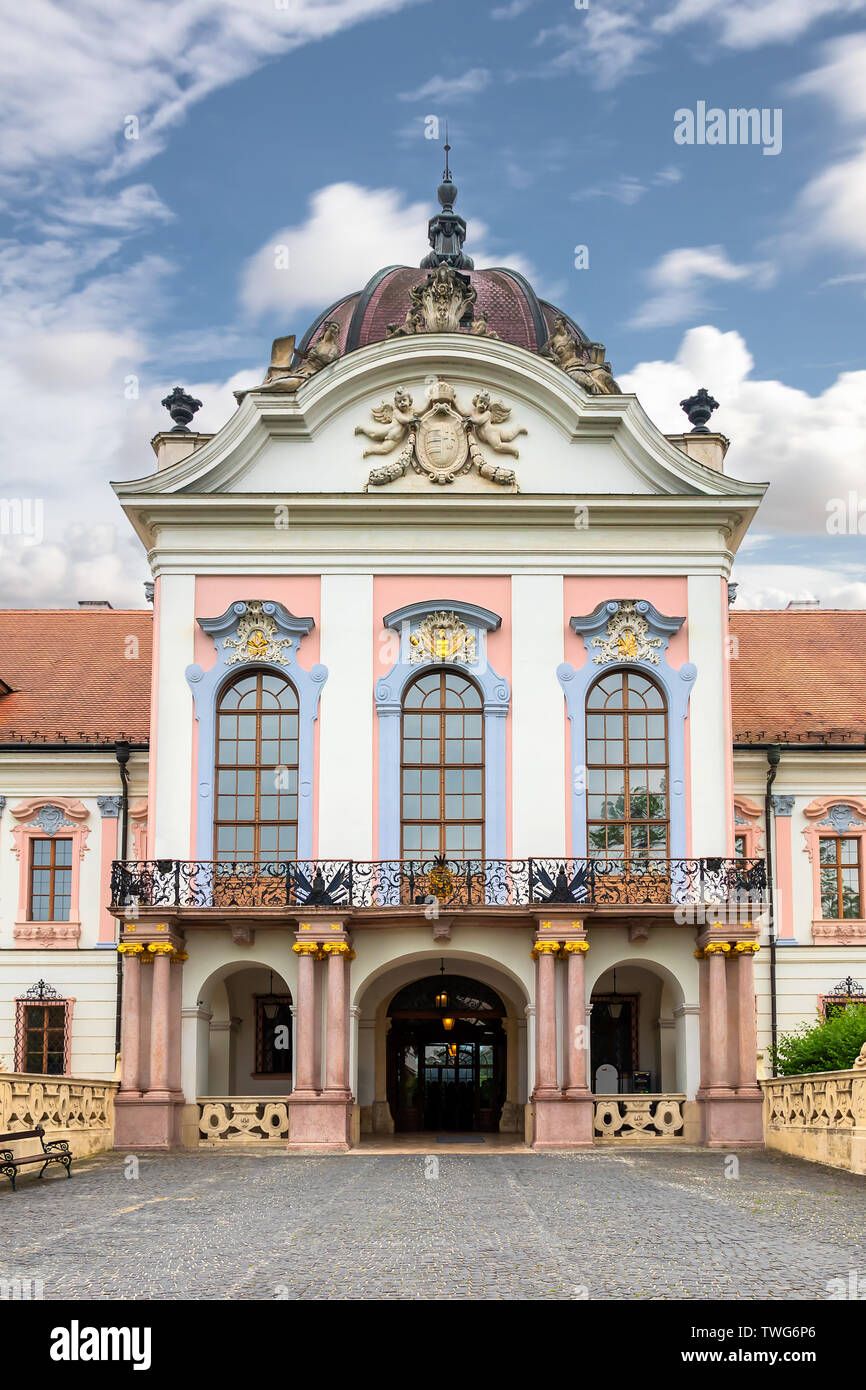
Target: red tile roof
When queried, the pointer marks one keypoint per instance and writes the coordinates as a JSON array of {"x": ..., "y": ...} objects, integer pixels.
[
  {"x": 71, "y": 677},
  {"x": 799, "y": 676}
]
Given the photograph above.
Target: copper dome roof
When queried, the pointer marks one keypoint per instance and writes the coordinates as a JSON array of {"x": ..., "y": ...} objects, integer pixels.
[{"x": 513, "y": 310}]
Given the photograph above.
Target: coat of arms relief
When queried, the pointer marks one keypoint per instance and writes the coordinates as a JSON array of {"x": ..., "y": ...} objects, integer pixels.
[
  {"x": 257, "y": 638},
  {"x": 444, "y": 440},
  {"x": 627, "y": 638}
]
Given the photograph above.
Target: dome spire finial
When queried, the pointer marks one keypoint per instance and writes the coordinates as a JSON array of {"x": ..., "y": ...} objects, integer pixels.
[{"x": 446, "y": 232}]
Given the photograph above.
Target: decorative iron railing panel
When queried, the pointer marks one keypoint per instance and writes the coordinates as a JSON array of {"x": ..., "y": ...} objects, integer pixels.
[{"x": 451, "y": 883}]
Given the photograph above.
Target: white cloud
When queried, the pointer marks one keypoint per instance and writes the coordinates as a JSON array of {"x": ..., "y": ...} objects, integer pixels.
[
  {"x": 126, "y": 211},
  {"x": 604, "y": 44},
  {"x": 747, "y": 24},
  {"x": 774, "y": 586},
  {"x": 95, "y": 66},
  {"x": 350, "y": 232},
  {"x": 511, "y": 11},
  {"x": 810, "y": 448},
  {"x": 679, "y": 281},
  {"x": 450, "y": 88}
]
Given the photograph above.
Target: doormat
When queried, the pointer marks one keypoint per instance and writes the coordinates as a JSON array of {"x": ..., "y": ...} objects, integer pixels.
[{"x": 459, "y": 1139}]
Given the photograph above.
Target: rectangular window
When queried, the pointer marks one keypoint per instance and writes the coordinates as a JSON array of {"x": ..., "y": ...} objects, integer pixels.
[
  {"x": 42, "y": 1031},
  {"x": 273, "y": 1034},
  {"x": 739, "y": 846},
  {"x": 50, "y": 880},
  {"x": 839, "y": 861}
]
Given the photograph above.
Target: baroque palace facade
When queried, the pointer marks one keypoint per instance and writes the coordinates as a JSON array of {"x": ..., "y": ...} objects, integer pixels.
[{"x": 447, "y": 798}]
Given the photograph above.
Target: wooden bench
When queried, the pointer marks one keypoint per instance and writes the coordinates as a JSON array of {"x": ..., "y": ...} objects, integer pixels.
[{"x": 55, "y": 1151}]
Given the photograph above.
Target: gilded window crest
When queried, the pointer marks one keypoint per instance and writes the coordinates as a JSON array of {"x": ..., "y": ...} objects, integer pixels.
[
  {"x": 442, "y": 637},
  {"x": 257, "y": 638},
  {"x": 627, "y": 638}
]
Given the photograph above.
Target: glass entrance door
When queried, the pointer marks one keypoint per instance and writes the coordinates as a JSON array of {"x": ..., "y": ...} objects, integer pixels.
[{"x": 440, "y": 1084}]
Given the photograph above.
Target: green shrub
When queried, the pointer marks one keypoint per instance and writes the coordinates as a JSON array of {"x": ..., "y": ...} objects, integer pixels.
[{"x": 829, "y": 1045}]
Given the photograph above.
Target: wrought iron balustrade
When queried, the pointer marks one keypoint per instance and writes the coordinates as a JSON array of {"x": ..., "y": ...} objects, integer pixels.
[{"x": 450, "y": 883}]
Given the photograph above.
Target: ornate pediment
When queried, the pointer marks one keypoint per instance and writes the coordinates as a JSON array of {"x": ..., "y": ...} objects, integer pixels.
[{"x": 444, "y": 440}]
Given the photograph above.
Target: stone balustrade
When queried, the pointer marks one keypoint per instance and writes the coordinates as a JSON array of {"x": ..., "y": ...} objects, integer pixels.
[
  {"x": 242, "y": 1120},
  {"x": 77, "y": 1109},
  {"x": 666, "y": 1118},
  {"x": 819, "y": 1116}
]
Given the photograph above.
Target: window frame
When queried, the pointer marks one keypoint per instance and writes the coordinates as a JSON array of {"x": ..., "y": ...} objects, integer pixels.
[
  {"x": 839, "y": 865},
  {"x": 628, "y": 856},
  {"x": 443, "y": 767},
  {"x": 23, "y": 1004},
  {"x": 53, "y": 868},
  {"x": 256, "y": 767}
]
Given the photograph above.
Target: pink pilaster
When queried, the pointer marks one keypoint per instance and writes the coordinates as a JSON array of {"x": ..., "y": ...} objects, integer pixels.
[
  {"x": 320, "y": 1119},
  {"x": 545, "y": 1071},
  {"x": 577, "y": 1030},
  {"x": 336, "y": 1075},
  {"x": 747, "y": 1041},
  {"x": 160, "y": 1024},
  {"x": 108, "y": 853},
  {"x": 305, "y": 1029},
  {"x": 130, "y": 1055},
  {"x": 149, "y": 1118},
  {"x": 784, "y": 877},
  {"x": 562, "y": 1119},
  {"x": 717, "y": 1002}
]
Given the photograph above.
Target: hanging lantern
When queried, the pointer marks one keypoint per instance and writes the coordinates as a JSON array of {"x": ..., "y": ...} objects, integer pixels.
[
  {"x": 442, "y": 997},
  {"x": 448, "y": 1024},
  {"x": 615, "y": 1004}
]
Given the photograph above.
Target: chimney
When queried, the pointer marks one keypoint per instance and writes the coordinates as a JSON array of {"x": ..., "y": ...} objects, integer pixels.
[
  {"x": 93, "y": 603},
  {"x": 799, "y": 604}
]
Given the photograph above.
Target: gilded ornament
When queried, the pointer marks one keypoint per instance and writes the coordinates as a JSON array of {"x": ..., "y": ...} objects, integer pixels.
[
  {"x": 573, "y": 948},
  {"x": 627, "y": 638},
  {"x": 442, "y": 637},
  {"x": 257, "y": 638}
]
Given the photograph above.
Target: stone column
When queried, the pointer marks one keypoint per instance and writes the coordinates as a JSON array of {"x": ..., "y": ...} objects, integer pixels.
[
  {"x": 336, "y": 1051},
  {"x": 747, "y": 1039},
  {"x": 175, "y": 1034},
  {"x": 717, "y": 1009},
  {"x": 130, "y": 1056},
  {"x": 304, "y": 1065},
  {"x": 545, "y": 1069},
  {"x": 576, "y": 1049},
  {"x": 160, "y": 1022}
]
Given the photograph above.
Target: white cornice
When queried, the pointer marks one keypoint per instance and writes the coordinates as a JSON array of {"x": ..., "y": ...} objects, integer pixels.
[{"x": 352, "y": 379}]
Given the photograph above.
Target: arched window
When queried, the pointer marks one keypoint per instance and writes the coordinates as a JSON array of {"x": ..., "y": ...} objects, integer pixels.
[
  {"x": 442, "y": 768},
  {"x": 628, "y": 810},
  {"x": 257, "y": 769}
]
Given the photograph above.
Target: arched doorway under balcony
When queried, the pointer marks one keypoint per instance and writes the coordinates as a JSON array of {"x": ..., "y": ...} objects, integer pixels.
[{"x": 446, "y": 1055}]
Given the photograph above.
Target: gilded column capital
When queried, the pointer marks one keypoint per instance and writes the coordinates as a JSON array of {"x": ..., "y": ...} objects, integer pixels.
[
  {"x": 160, "y": 948},
  {"x": 573, "y": 948},
  {"x": 545, "y": 948},
  {"x": 746, "y": 948},
  {"x": 178, "y": 957},
  {"x": 131, "y": 948},
  {"x": 335, "y": 948},
  {"x": 700, "y": 953},
  {"x": 306, "y": 948},
  {"x": 715, "y": 948}
]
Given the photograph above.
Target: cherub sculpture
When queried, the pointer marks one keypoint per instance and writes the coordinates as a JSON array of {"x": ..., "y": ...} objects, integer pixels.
[
  {"x": 486, "y": 418},
  {"x": 413, "y": 323},
  {"x": 481, "y": 328},
  {"x": 394, "y": 423}
]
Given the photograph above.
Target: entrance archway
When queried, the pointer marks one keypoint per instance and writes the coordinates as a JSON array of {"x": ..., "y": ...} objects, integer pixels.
[{"x": 446, "y": 1055}]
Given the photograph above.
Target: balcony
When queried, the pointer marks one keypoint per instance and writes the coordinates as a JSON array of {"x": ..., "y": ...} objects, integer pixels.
[{"x": 348, "y": 885}]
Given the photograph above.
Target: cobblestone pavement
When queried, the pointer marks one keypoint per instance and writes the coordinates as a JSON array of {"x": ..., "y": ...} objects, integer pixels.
[{"x": 602, "y": 1225}]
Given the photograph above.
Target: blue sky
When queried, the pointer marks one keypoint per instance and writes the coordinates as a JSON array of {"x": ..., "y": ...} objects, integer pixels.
[{"x": 127, "y": 265}]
